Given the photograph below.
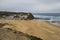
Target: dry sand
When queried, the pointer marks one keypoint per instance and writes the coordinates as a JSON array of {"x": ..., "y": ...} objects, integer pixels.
[{"x": 36, "y": 28}]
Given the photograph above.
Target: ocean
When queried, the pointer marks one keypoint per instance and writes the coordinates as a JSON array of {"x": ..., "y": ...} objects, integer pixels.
[{"x": 47, "y": 16}]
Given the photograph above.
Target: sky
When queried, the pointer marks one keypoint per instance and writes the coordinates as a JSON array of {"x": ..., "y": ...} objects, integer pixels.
[{"x": 33, "y": 6}]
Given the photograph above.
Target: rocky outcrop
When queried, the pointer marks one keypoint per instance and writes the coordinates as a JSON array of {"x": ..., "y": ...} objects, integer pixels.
[{"x": 16, "y": 16}]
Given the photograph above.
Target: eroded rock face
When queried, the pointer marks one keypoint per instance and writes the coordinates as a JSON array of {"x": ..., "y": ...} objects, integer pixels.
[{"x": 9, "y": 34}]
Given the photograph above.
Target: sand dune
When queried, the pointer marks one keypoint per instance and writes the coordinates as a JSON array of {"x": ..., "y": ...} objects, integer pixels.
[{"x": 36, "y": 28}]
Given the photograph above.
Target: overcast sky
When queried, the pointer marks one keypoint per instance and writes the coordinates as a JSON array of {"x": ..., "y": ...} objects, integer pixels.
[{"x": 34, "y": 6}]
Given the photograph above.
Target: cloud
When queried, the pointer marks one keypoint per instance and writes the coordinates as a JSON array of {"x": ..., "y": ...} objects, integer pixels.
[
  {"x": 34, "y": 6},
  {"x": 47, "y": 8}
]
